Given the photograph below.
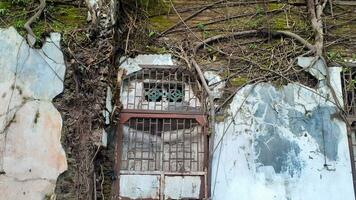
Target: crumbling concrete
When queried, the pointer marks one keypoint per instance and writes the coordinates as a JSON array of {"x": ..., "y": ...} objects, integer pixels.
[
  {"x": 284, "y": 143},
  {"x": 215, "y": 82},
  {"x": 31, "y": 156}
]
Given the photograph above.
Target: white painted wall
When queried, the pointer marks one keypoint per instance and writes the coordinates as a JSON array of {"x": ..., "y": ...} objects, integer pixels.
[{"x": 270, "y": 146}]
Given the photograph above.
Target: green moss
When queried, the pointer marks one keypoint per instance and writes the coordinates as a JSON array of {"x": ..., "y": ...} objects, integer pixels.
[
  {"x": 62, "y": 18},
  {"x": 255, "y": 23},
  {"x": 238, "y": 81},
  {"x": 219, "y": 118},
  {"x": 280, "y": 22},
  {"x": 160, "y": 23},
  {"x": 207, "y": 34},
  {"x": 21, "y": 2},
  {"x": 66, "y": 18},
  {"x": 275, "y": 6},
  {"x": 222, "y": 116},
  {"x": 5, "y": 5}
]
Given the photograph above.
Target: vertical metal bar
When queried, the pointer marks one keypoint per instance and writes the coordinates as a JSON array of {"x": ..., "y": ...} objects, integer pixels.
[
  {"x": 149, "y": 144},
  {"x": 135, "y": 142},
  {"x": 170, "y": 144},
  {"x": 156, "y": 145},
  {"x": 175, "y": 85},
  {"x": 161, "y": 162},
  {"x": 183, "y": 146},
  {"x": 162, "y": 88},
  {"x": 177, "y": 149},
  {"x": 190, "y": 146},
  {"x": 142, "y": 141}
]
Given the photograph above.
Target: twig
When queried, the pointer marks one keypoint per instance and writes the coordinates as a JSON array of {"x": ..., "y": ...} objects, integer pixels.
[
  {"x": 189, "y": 17},
  {"x": 215, "y": 21},
  {"x": 295, "y": 36},
  {"x": 31, "y": 38},
  {"x": 221, "y": 37}
]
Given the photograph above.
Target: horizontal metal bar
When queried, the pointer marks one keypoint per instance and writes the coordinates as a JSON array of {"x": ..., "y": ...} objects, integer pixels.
[
  {"x": 197, "y": 112},
  {"x": 126, "y": 172},
  {"x": 125, "y": 116}
]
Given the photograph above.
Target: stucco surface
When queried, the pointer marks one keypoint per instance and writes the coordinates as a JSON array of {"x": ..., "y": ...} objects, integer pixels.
[
  {"x": 284, "y": 143},
  {"x": 31, "y": 155}
]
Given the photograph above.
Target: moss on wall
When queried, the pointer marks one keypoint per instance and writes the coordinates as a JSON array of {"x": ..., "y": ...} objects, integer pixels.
[
  {"x": 238, "y": 81},
  {"x": 161, "y": 23},
  {"x": 59, "y": 18}
]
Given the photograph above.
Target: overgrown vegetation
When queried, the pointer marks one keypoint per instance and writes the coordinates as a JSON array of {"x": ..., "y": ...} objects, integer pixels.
[
  {"x": 188, "y": 30},
  {"x": 55, "y": 18}
]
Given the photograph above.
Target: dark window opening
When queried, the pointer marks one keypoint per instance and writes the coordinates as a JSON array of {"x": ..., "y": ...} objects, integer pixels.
[{"x": 170, "y": 145}]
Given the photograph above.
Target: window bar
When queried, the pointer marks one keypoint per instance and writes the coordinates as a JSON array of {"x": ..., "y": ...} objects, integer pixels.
[
  {"x": 135, "y": 146},
  {"x": 162, "y": 80},
  {"x": 161, "y": 160},
  {"x": 177, "y": 149},
  {"x": 156, "y": 146},
  {"x": 149, "y": 144},
  {"x": 183, "y": 145},
  {"x": 129, "y": 143},
  {"x": 190, "y": 148},
  {"x": 170, "y": 142},
  {"x": 176, "y": 87},
  {"x": 142, "y": 141}
]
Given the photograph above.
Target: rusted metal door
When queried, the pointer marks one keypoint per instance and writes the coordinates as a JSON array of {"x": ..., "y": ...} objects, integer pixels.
[{"x": 162, "y": 140}]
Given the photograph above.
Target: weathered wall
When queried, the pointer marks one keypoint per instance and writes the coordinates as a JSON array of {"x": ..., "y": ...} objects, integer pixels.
[
  {"x": 31, "y": 155},
  {"x": 283, "y": 143}
]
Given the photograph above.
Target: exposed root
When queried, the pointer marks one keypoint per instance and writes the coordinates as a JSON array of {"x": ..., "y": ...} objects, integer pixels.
[{"x": 31, "y": 38}]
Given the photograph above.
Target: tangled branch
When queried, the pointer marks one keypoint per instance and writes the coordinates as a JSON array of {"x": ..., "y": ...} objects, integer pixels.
[{"x": 31, "y": 38}]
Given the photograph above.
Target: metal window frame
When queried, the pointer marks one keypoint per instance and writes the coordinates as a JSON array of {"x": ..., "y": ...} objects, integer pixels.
[{"x": 198, "y": 115}]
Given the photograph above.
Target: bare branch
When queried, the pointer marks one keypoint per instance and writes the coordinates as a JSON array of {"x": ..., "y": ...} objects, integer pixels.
[
  {"x": 253, "y": 32},
  {"x": 31, "y": 38},
  {"x": 190, "y": 17},
  {"x": 295, "y": 36}
]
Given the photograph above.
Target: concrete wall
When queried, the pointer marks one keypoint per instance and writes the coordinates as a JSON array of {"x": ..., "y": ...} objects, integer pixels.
[
  {"x": 31, "y": 155},
  {"x": 284, "y": 143}
]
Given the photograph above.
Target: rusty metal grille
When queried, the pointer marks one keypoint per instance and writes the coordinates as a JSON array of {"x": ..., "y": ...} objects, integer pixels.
[
  {"x": 169, "y": 145},
  {"x": 162, "y": 139},
  {"x": 349, "y": 87},
  {"x": 161, "y": 90}
]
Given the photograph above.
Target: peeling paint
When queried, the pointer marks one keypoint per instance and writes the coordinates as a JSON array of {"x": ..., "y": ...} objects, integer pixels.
[
  {"x": 31, "y": 155},
  {"x": 281, "y": 144}
]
